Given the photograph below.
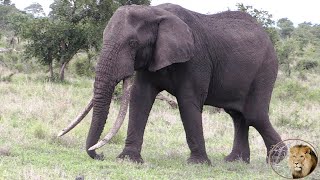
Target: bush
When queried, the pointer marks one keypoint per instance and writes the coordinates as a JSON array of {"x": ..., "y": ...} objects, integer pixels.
[
  {"x": 293, "y": 90},
  {"x": 117, "y": 92},
  {"x": 17, "y": 62},
  {"x": 294, "y": 119},
  {"x": 307, "y": 64},
  {"x": 81, "y": 66}
]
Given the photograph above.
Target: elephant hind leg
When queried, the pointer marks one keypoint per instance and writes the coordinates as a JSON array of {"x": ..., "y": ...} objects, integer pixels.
[
  {"x": 268, "y": 133},
  {"x": 240, "y": 150},
  {"x": 256, "y": 110}
]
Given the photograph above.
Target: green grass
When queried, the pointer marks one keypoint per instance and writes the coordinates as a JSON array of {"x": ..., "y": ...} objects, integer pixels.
[{"x": 33, "y": 110}]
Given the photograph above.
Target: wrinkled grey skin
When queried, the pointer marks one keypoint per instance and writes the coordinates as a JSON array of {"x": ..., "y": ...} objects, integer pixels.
[{"x": 225, "y": 60}]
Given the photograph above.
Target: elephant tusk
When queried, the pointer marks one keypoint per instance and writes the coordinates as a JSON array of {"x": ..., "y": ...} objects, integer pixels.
[
  {"x": 78, "y": 119},
  {"x": 127, "y": 84}
]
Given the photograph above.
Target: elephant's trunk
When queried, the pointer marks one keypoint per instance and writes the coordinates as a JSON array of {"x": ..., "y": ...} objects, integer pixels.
[
  {"x": 101, "y": 107},
  {"x": 108, "y": 74},
  {"x": 126, "y": 89},
  {"x": 103, "y": 90}
]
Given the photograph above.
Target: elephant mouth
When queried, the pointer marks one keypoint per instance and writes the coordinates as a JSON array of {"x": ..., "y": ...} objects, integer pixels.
[{"x": 126, "y": 89}]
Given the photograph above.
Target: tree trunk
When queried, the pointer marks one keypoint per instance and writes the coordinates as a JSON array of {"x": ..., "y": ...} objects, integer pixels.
[
  {"x": 51, "y": 71},
  {"x": 62, "y": 71},
  {"x": 89, "y": 56}
]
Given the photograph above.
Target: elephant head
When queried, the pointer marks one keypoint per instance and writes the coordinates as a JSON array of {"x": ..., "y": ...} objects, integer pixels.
[{"x": 140, "y": 38}]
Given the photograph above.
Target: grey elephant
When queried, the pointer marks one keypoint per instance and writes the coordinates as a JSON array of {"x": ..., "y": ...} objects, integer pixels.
[{"x": 224, "y": 60}]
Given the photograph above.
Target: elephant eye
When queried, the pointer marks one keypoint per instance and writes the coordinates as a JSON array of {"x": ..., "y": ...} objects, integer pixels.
[{"x": 133, "y": 43}]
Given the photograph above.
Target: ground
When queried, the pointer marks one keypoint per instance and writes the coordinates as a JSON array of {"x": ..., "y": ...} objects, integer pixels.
[{"x": 33, "y": 110}]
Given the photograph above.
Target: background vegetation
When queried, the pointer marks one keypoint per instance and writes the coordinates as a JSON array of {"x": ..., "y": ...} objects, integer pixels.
[{"x": 46, "y": 74}]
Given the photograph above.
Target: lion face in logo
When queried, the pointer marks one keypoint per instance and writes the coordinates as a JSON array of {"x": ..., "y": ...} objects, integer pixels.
[{"x": 302, "y": 161}]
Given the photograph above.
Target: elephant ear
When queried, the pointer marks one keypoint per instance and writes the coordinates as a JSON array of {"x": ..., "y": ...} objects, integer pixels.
[{"x": 174, "y": 44}]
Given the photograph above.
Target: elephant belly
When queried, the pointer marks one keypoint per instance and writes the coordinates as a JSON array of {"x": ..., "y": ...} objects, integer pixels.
[
  {"x": 228, "y": 94},
  {"x": 227, "y": 100}
]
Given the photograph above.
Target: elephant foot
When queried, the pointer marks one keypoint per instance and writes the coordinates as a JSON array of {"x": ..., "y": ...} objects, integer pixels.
[
  {"x": 199, "y": 160},
  {"x": 276, "y": 155},
  {"x": 131, "y": 156},
  {"x": 238, "y": 156}
]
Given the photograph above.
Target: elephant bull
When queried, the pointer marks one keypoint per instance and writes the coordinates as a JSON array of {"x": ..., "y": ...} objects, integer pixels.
[{"x": 224, "y": 60}]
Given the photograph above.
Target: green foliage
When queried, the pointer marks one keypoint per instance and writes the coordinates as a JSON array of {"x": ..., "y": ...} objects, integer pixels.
[
  {"x": 264, "y": 18},
  {"x": 295, "y": 91},
  {"x": 18, "y": 23},
  {"x": 299, "y": 47},
  {"x": 43, "y": 40},
  {"x": 82, "y": 66},
  {"x": 273, "y": 34},
  {"x": 118, "y": 91},
  {"x": 35, "y": 9},
  {"x": 5, "y": 2},
  {"x": 307, "y": 64},
  {"x": 286, "y": 27},
  {"x": 6, "y": 13},
  {"x": 295, "y": 119},
  {"x": 286, "y": 51},
  {"x": 39, "y": 131},
  {"x": 71, "y": 26}
]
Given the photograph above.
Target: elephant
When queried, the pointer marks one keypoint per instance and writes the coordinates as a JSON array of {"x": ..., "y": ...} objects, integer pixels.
[{"x": 224, "y": 60}]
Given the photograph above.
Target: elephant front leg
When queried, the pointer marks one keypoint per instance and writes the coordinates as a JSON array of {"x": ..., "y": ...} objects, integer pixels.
[
  {"x": 240, "y": 150},
  {"x": 142, "y": 99},
  {"x": 192, "y": 121}
]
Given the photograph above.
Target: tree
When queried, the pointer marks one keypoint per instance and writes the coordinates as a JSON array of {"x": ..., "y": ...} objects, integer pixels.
[
  {"x": 5, "y": 2},
  {"x": 43, "y": 41},
  {"x": 71, "y": 26},
  {"x": 287, "y": 51},
  {"x": 18, "y": 23},
  {"x": 286, "y": 27},
  {"x": 264, "y": 18},
  {"x": 304, "y": 35},
  {"x": 35, "y": 9},
  {"x": 6, "y": 11},
  {"x": 86, "y": 21},
  {"x": 11, "y": 22},
  {"x": 81, "y": 24}
]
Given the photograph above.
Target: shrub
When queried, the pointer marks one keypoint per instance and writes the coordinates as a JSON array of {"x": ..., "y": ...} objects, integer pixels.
[
  {"x": 81, "y": 66},
  {"x": 307, "y": 64},
  {"x": 295, "y": 117},
  {"x": 39, "y": 132},
  {"x": 295, "y": 91},
  {"x": 117, "y": 92},
  {"x": 291, "y": 90}
]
